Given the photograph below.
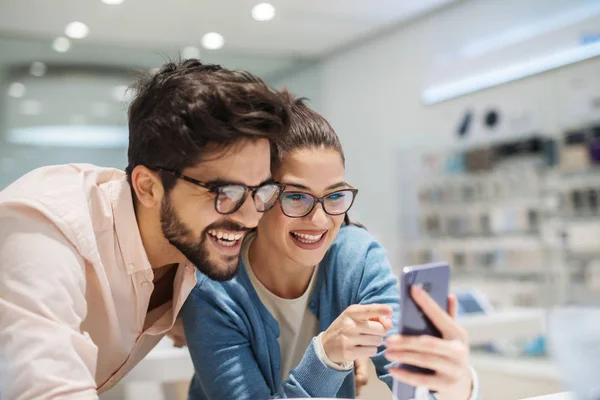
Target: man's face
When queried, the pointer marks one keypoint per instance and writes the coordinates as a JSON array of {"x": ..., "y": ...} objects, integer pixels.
[{"x": 188, "y": 217}]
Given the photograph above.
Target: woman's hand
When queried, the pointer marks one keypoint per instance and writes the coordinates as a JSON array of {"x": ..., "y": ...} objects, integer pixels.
[
  {"x": 357, "y": 332},
  {"x": 448, "y": 356}
]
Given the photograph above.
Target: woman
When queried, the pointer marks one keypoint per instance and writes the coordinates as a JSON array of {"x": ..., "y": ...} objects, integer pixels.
[{"x": 312, "y": 295}]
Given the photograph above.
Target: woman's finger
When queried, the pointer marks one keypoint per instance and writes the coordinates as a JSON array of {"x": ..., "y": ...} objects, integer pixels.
[
  {"x": 452, "y": 349},
  {"x": 452, "y": 306},
  {"x": 438, "y": 316},
  {"x": 362, "y": 352},
  {"x": 441, "y": 365},
  {"x": 366, "y": 340},
  {"x": 370, "y": 328}
]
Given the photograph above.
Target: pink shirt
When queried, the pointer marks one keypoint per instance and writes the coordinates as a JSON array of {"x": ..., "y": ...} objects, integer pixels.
[{"x": 75, "y": 283}]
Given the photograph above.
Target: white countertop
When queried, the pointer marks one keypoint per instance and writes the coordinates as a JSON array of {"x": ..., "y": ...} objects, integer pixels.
[{"x": 557, "y": 396}]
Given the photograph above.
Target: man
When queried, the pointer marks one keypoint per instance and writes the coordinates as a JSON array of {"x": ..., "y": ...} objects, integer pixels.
[{"x": 96, "y": 263}]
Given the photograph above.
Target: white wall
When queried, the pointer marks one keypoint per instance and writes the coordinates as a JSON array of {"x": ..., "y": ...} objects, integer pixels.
[
  {"x": 371, "y": 95},
  {"x": 305, "y": 82}
]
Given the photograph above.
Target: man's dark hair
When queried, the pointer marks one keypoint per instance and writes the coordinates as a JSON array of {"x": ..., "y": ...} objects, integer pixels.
[{"x": 187, "y": 106}]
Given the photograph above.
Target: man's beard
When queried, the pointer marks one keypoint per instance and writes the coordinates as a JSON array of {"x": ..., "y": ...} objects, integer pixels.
[{"x": 196, "y": 250}]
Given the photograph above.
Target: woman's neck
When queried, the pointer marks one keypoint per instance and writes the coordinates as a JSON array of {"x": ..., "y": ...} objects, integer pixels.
[{"x": 279, "y": 274}]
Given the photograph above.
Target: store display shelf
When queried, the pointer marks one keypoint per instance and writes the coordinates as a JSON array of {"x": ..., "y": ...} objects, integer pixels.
[{"x": 481, "y": 243}]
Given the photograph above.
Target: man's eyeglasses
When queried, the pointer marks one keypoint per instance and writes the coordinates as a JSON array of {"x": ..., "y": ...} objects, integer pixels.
[
  {"x": 230, "y": 197},
  {"x": 300, "y": 204}
]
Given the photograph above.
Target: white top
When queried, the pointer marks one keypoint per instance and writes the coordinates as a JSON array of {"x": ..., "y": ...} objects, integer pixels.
[{"x": 297, "y": 324}]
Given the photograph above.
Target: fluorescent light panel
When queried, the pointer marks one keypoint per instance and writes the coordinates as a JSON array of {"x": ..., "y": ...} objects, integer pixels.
[
  {"x": 71, "y": 136},
  {"x": 509, "y": 73}
]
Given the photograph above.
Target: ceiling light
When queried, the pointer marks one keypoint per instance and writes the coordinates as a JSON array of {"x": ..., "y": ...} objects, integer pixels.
[
  {"x": 61, "y": 44},
  {"x": 263, "y": 12},
  {"x": 38, "y": 69},
  {"x": 31, "y": 107},
  {"x": 71, "y": 136},
  {"x": 77, "y": 30},
  {"x": 212, "y": 41},
  {"x": 189, "y": 52},
  {"x": 113, "y": 2},
  {"x": 16, "y": 90},
  {"x": 509, "y": 73}
]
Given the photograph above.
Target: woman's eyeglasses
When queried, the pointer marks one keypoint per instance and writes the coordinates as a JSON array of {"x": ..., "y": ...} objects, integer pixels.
[
  {"x": 300, "y": 204},
  {"x": 230, "y": 197}
]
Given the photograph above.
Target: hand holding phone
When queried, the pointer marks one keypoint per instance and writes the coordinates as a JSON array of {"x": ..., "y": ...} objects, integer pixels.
[{"x": 432, "y": 348}]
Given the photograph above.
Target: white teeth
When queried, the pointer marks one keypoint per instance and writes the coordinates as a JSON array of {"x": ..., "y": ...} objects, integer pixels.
[
  {"x": 309, "y": 239},
  {"x": 226, "y": 243},
  {"x": 226, "y": 236}
]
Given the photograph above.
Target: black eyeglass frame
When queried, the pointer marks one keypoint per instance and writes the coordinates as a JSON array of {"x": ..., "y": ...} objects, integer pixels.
[
  {"x": 319, "y": 200},
  {"x": 216, "y": 189}
]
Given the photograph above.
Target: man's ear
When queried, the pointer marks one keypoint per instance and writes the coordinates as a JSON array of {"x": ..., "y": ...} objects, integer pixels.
[{"x": 147, "y": 186}]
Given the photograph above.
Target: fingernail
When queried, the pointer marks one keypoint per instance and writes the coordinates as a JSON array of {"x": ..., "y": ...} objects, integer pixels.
[
  {"x": 418, "y": 288},
  {"x": 388, "y": 320},
  {"x": 393, "y": 339}
]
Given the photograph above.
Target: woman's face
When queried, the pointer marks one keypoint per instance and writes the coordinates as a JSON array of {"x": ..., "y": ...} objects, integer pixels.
[{"x": 305, "y": 240}]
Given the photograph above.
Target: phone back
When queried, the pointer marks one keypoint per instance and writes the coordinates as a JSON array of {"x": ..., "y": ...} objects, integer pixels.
[{"x": 435, "y": 279}]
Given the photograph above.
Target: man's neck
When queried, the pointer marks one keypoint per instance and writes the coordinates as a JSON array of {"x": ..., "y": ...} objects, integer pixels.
[{"x": 279, "y": 274}]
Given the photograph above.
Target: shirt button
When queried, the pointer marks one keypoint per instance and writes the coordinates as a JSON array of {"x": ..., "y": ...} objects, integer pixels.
[
  {"x": 145, "y": 284},
  {"x": 130, "y": 268}
]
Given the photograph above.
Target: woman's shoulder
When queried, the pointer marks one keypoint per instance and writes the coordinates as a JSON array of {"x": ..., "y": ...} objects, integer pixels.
[
  {"x": 222, "y": 294},
  {"x": 352, "y": 243}
]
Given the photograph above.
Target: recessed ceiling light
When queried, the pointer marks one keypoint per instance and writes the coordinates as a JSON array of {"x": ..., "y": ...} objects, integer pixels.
[
  {"x": 113, "y": 2},
  {"x": 16, "y": 90},
  {"x": 213, "y": 41},
  {"x": 263, "y": 12},
  {"x": 38, "y": 69},
  {"x": 190, "y": 52},
  {"x": 31, "y": 107},
  {"x": 61, "y": 44},
  {"x": 71, "y": 136},
  {"x": 77, "y": 30}
]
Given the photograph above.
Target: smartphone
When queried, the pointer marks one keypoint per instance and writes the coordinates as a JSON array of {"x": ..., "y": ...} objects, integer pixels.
[{"x": 434, "y": 278}]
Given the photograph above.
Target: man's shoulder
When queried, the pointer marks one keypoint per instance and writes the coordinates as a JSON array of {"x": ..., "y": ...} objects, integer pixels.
[
  {"x": 57, "y": 182},
  {"x": 72, "y": 198}
]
